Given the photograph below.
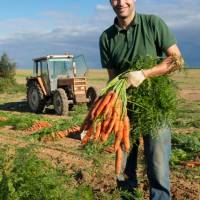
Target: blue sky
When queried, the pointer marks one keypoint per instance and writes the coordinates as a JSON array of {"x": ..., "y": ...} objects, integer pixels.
[{"x": 31, "y": 28}]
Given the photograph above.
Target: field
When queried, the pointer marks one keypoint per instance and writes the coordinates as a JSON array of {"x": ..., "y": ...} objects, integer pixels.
[{"x": 31, "y": 168}]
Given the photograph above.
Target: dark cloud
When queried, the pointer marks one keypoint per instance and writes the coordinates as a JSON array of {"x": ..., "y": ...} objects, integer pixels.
[
  {"x": 189, "y": 43},
  {"x": 28, "y": 46}
]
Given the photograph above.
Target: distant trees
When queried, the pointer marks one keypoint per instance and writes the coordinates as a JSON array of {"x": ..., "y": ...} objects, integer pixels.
[
  {"x": 7, "y": 67},
  {"x": 7, "y": 73}
]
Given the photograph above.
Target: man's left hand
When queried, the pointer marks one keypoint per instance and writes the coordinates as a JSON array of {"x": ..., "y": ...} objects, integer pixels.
[{"x": 135, "y": 78}]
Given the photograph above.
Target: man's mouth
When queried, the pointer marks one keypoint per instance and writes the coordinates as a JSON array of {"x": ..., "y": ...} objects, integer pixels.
[{"x": 121, "y": 8}]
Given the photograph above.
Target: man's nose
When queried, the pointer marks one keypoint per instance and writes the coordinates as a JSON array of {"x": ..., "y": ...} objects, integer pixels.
[{"x": 121, "y": 2}]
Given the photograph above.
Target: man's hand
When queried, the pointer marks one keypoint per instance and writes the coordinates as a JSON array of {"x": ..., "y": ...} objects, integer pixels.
[{"x": 135, "y": 78}]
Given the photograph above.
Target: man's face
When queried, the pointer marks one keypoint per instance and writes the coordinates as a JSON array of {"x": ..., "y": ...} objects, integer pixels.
[{"x": 123, "y": 8}]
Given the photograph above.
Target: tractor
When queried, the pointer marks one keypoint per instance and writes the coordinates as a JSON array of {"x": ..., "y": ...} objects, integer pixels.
[{"x": 59, "y": 80}]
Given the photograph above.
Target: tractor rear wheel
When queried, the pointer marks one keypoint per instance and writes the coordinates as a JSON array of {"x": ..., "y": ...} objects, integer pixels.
[
  {"x": 35, "y": 97},
  {"x": 60, "y": 102},
  {"x": 91, "y": 95}
]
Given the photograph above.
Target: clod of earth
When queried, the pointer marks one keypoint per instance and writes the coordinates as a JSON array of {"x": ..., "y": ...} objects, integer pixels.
[{"x": 3, "y": 119}]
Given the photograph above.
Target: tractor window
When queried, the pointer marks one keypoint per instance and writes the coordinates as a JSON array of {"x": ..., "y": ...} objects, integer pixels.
[
  {"x": 45, "y": 74},
  {"x": 44, "y": 68},
  {"x": 37, "y": 69},
  {"x": 61, "y": 67}
]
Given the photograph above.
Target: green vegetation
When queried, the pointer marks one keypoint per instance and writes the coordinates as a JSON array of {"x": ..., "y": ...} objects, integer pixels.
[
  {"x": 18, "y": 121},
  {"x": 185, "y": 147},
  {"x": 10, "y": 86},
  {"x": 7, "y": 67},
  {"x": 154, "y": 102},
  {"x": 24, "y": 176},
  {"x": 7, "y": 76}
]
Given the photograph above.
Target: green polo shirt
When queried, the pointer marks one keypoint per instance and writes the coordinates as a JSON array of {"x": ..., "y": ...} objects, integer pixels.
[{"x": 148, "y": 35}]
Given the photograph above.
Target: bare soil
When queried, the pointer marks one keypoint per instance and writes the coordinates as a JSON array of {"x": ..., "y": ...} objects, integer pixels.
[{"x": 66, "y": 152}]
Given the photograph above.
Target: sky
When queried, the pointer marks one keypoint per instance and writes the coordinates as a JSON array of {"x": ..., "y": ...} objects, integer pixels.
[{"x": 34, "y": 28}]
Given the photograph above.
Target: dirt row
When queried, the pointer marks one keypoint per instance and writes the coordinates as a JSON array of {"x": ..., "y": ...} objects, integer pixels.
[{"x": 66, "y": 152}]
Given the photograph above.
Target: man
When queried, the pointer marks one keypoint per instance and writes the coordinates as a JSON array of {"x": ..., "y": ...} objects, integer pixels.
[{"x": 133, "y": 35}]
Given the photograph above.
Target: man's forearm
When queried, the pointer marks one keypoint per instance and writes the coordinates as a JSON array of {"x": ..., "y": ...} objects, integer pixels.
[
  {"x": 168, "y": 65},
  {"x": 157, "y": 70}
]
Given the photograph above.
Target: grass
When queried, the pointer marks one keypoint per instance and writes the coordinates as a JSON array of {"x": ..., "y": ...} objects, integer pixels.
[
  {"x": 24, "y": 176},
  {"x": 21, "y": 75},
  {"x": 21, "y": 122},
  {"x": 10, "y": 86}
]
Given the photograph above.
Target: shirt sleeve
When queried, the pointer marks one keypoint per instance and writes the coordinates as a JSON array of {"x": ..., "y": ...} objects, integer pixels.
[
  {"x": 164, "y": 38},
  {"x": 104, "y": 52}
]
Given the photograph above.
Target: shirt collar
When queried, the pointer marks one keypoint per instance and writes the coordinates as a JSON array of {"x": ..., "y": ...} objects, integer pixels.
[{"x": 133, "y": 23}]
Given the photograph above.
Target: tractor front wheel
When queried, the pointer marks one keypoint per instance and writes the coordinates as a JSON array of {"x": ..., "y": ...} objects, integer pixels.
[
  {"x": 35, "y": 97},
  {"x": 60, "y": 102}
]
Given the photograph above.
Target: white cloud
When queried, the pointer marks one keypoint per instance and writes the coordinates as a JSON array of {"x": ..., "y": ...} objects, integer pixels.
[
  {"x": 177, "y": 13},
  {"x": 103, "y": 7}
]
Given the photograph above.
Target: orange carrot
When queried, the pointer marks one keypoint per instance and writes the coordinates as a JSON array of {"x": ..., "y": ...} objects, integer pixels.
[
  {"x": 98, "y": 131},
  {"x": 110, "y": 149},
  {"x": 112, "y": 123},
  {"x": 60, "y": 134},
  {"x": 105, "y": 101},
  {"x": 103, "y": 137},
  {"x": 104, "y": 128},
  {"x": 116, "y": 126},
  {"x": 110, "y": 106},
  {"x": 119, "y": 136},
  {"x": 105, "y": 125},
  {"x": 109, "y": 112},
  {"x": 126, "y": 132},
  {"x": 87, "y": 136},
  {"x": 109, "y": 128},
  {"x": 118, "y": 110},
  {"x": 106, "y": 110},
  {"x": 118, "y": 161},
  {"x": 94, "y": 109},
  {"x": 118, "y": 107}
]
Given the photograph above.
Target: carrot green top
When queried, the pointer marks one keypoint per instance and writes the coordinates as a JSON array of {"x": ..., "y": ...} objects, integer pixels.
[{"x": 148, "y": 35}]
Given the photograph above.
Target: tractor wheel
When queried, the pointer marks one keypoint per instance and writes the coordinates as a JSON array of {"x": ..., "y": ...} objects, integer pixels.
[
  {"x": 35, "y": 97},
  {"x": 91, "y": 94},
  {"x": 60, "y": 102}
]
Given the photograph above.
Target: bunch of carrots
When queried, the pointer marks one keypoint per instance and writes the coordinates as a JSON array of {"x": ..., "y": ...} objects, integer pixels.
[{"x": 109, "y": 116}]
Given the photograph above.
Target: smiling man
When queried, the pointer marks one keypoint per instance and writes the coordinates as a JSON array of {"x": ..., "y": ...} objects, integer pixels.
[{"x": 131, "y": 36}]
